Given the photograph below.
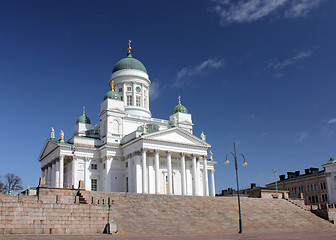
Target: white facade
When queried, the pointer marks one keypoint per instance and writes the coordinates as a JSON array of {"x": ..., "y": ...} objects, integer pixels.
[
  {"x": 129, "y": 151},
  {"x": 330, "y": 173}
]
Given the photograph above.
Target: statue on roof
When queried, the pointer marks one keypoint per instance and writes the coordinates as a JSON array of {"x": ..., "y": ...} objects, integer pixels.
[
  {"x": 174, "y": 121},
  {"x": 144, "y": 128},
  {"x": 52, "y": 133},
  {"x": 62, "y": 136},
  {"x": 210, "y": 155},
  {"x": 203, "y": 136}
]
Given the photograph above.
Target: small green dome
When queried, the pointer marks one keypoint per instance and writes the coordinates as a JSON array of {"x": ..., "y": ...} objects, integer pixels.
[
  {"x": 83, "y": 119},
  {"x": 180, "y": 108},
  {"x": 112, "y": 95},
  {"x": 129, "y": 63}
]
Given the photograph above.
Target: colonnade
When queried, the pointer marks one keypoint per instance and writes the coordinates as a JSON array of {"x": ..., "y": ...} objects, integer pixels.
[
  {"x": 182, "y": 160},
  {"x": 53, "y": 172}
]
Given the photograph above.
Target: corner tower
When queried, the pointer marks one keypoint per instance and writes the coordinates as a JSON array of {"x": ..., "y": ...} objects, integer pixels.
[{"x": 132, "y": 83}]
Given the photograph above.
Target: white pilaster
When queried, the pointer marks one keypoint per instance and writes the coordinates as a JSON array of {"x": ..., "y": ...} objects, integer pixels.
[
  {"x": 61, "y": 171},
  {"x": 86, "y": 174},
  {"x": 57, "y": 173},
  {"x": 183, "y": 175},
  {"x": 170, "y": 174},
  {"x": 144, "y": 171},
  {"x": 205, "y": 177},
  {"x": 108, "y": 174},
  {"x": 194, "y": 175},
  {"x": 213, "y": 190},
  {"x": 157, "y": 171}
]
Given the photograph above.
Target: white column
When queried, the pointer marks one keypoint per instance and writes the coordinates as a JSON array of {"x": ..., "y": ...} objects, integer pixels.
[
  {"x": 57, "y": 173},
  {"x": 157, "y": 171},
  {"x": 213, "y": 191},
  {"x": 205, "y": 177},
  {"x": 124, "y": 93},
  {"x": 183, "y": 175},
  {"x": 61, "y": 171},
  {"x": 48, "y": 175},
  {"x": 53, "y": 174},
  {"x": 73, "y": 172},
  {"x": 194, "y": 175},
  {"x": 144, "y": 171},
  {"x": 138, "y": 178},
  {"x": 170, "y": 174},
  {"x": 130, "y": 175}
]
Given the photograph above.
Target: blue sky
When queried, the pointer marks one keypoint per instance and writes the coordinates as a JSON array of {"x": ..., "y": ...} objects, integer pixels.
[{"x": 260, "y": 73}]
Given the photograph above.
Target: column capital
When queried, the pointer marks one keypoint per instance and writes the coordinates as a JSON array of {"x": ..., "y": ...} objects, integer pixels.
[
  {"x": 156, "y": 151},
  {"x": 183, "y": 154}
]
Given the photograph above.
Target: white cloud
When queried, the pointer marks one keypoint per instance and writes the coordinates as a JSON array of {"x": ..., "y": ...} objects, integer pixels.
[
  {"x": 155, "y": 91},
  {"x": 275, "y": 65},
  {"x": 292, "y": 60},
  {"x": 233, "y": 11},
  {"x": 200, "y": 69},
  {"x": 300, "y": 137},
  {"x": 331, "y": 121},
  {"x": 301, "y": 8}
]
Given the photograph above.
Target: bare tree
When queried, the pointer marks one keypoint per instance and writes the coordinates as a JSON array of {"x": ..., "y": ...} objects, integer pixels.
[
  {"x": 12, "y": 183},
  {"x": 1, "y": 185}
]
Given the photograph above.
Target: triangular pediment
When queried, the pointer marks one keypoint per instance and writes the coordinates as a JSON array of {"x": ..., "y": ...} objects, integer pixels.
[
  {"x": 48, "y": 147},
  {"x": 178, "y": 136}
]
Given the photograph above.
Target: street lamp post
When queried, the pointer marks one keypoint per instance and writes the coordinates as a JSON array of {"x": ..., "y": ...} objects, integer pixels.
[
  {"x": 234, "y": 154},
  {"x": 276, "y": 183}
]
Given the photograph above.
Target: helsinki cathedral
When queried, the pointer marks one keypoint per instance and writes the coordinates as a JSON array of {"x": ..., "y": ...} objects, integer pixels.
[{"x": 128, "y": 150}]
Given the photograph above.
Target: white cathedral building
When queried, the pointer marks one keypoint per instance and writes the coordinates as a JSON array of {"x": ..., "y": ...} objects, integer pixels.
[{"x": 128, "y": 150}]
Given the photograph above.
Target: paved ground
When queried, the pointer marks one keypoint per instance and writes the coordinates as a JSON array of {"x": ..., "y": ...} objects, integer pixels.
[{"x": 308, "y": 235}]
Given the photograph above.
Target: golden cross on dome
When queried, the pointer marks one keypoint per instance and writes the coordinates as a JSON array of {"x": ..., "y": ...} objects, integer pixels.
[
  {"x": 83, "y": 111},
  {"x": 129, "y": 46},
  {"x": 179, "y": 100},
  {"x": 112, "y": 88}
]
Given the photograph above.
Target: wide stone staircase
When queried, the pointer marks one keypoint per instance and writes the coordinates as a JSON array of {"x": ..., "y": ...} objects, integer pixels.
[
  {"x": 85, "y": 212},
  {"x": 148, "y": 213}
]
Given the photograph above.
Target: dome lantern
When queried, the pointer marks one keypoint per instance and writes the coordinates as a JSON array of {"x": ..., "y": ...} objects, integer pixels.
[
  {"x": 180, "y": 107},
  {"x": 83, "y": 118}
]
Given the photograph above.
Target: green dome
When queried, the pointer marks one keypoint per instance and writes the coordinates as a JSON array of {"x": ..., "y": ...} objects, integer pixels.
[
  {"x": 112, "y": 95},
  {"x": 83, "y": 119},
  {"x": 180, "y": 108},
  {"x": 129, "y": 63}
]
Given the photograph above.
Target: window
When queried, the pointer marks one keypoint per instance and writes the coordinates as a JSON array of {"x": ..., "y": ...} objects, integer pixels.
[
  {"x": 315, "y": 187},
  {"x": 104, "y": 166},
  {"x": 121, "y": 98},
  {"x": 137, "y": 101},
  {"x": 129, "y": 89},
  {"x": 317, "y": 199},
  {"x": 307, "y": 188},
  {"x": 120, "y": 89},
  {"x": 310, "y": 200},
  {"x": 126, "y": 164},
  {"x": 129, "y": 100},
  {"x": 322, "y": 197},
  {"x": 93, "y": 184},
  {"x": 326, "y": 197},
  {"x": 94, "y": 166}
]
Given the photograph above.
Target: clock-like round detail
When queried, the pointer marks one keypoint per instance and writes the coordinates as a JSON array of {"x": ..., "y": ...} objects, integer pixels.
[{"x": 138, "y": 89}]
